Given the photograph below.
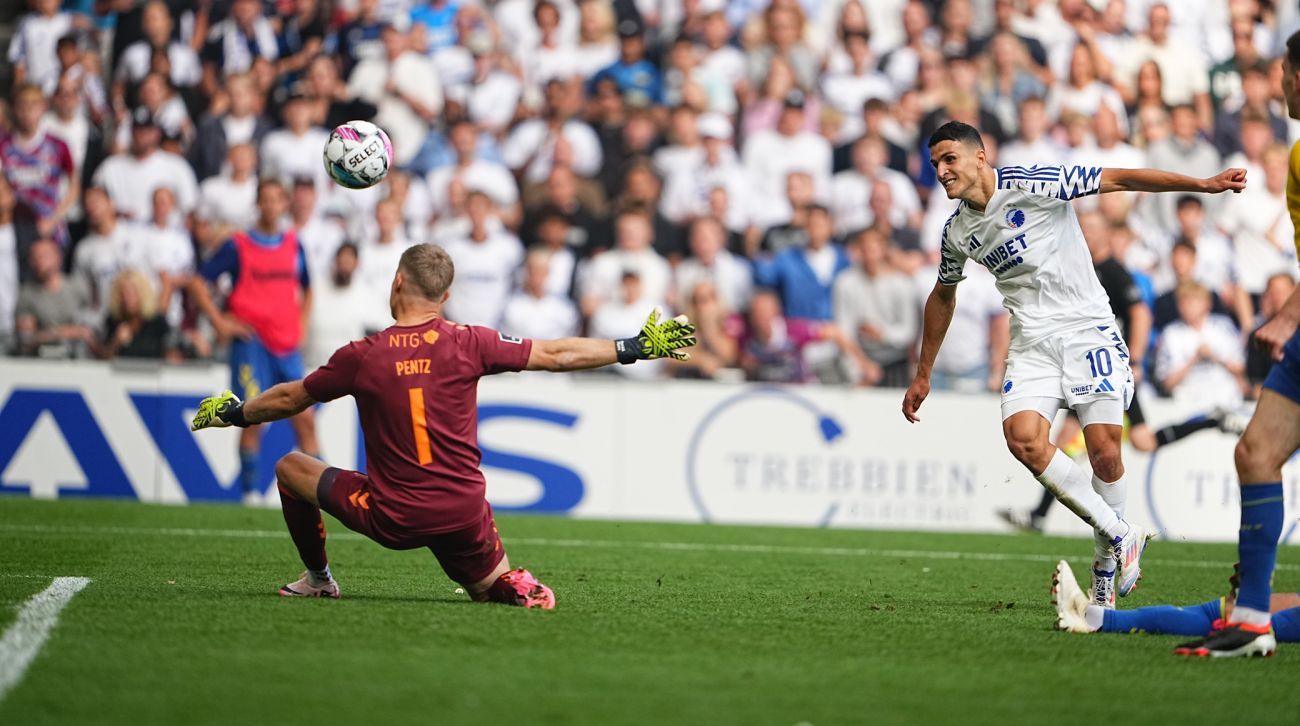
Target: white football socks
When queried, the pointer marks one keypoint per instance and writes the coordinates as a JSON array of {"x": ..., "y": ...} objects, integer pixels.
[
  {"x": 1249, "y": 616},
  {"x": 1115, "y": 494},
  {"x": 1094, "y": 615},
  {"x": 1073, "y": 488},
  {"x": 319, "y": 577}
]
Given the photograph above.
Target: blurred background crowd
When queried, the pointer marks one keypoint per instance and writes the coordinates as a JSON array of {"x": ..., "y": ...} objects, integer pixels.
[{"x": 760, "y": 166}]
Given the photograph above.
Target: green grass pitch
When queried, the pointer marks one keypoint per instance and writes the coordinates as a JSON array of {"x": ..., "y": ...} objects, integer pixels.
[{"x": 673, "y": 624}]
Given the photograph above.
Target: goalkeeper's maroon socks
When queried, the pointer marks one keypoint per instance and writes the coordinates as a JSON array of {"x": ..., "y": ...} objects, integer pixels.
[{"x": 307, "y": 530}]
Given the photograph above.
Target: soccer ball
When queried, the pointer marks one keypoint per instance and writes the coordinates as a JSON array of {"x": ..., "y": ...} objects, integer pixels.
[{"x": 357, "y": 154}]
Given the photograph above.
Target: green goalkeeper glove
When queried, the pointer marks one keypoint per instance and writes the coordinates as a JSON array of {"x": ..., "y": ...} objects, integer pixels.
[
  {"x": 658, "y": 339},
  {"x": 219, "y": 412}
]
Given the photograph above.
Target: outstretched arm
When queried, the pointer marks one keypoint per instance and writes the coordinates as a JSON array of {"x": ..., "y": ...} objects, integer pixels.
[
  {"x": 1155, "y": 180},
  {"x": 277, "y": 402},
  {"x": 657, "y": 339},
  {"x": 571, "y": 354},
  {"x": 938, "y": 315}
]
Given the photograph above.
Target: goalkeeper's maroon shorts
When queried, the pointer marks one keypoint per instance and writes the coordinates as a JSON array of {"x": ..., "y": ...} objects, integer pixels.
[{"x": 467, "y": 555}]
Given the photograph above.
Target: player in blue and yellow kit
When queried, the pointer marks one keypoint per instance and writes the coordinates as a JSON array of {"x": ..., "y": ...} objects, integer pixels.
[
  {"x": 269, "y": 299},
  {"x": 1272, "y": 436}
]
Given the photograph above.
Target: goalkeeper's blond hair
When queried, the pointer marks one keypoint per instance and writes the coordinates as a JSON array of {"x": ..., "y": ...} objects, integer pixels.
[{"x": 429, "y": 268}]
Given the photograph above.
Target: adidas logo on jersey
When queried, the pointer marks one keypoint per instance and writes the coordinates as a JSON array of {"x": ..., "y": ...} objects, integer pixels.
[{"x": 1104, "y": 387}]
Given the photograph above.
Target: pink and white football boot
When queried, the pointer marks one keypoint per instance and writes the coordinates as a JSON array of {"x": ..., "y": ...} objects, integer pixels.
[
  {"x": 519, "y": 587},
  {"x": 303, "y": 587}
]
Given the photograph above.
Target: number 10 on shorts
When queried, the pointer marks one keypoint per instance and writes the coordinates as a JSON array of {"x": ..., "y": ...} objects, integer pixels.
[{"x": 1099, "y": 360}]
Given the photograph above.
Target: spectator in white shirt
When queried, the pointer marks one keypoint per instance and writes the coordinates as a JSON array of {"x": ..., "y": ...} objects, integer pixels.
[
  {"x": 1082, "y": 92},
  {"x": 1187, "y": 152},
  {"x": 32, "y": 47},
  {"x": 131, "y": 178},
  {"x": 486, "y": 259},
  {"x": 67, "y": 121},
  {"x": 686, "y": 192},
  {"x": 337, "y": 310},
  {"x": 235, "y": 43},
  {"x": 851, "y": 190},
  {"x": 597, "y": 45},
  {"x": 473, "y": 172},
  {"x": 293, "y": 151},
  {"x": 168, "y": 254},
  {"x": 553, "y": 56},
  {"x": 168, "y": 111},
  {"x": 1201, "y": 360},
  {"x": 412, "y": 195},
  {"x": 722, "y": 64},
  {"x": 556, "y": 138},
  {"x": 404, "y": 84},
  {"x": 634, "y": 237},
  {"x": 379, "y": 259},
  {"x": 876, "y": 307},
  {"x": 851, "y": 79},
  {"x": 535, "y": 313},
  {"x": 621, "y": 316},
  {"x": 319, "y": 236},
  {"x": 555, "y": 234},
  {"x": 686, "y": 147},
  {"x": 1032, "y": 144},
  {"x": 184, "y": 69},
  {"x": 982, "y": 324},
  {"x": 230, "y": 198},
  {"x": 103, "y": 252},
  {"x": 770, "y": 156},
  {"x": 1185, "y": 78},
  {"x": 493, "y": 92},
  {"x": 1260, "y": 226},
  {"x": 8, "y": 264},
  {"x": 732, "y": 277}
]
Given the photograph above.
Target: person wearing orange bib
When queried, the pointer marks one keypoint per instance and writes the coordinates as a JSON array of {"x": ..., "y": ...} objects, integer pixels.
[{"x": 270, "y": 297}]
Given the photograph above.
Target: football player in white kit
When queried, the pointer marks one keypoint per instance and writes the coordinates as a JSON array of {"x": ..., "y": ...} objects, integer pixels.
[{"x": 1066, "y": 349}]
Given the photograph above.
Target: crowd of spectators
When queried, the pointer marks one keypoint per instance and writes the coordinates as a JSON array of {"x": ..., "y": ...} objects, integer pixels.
[{"x": 758, "y": 165}]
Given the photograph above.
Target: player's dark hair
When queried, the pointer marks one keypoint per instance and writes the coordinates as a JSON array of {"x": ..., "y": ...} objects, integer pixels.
[
  {"x": 429, "y": 268},
  {"x": 1293, "y": 50},
  {"x": 957, "y": 131}
]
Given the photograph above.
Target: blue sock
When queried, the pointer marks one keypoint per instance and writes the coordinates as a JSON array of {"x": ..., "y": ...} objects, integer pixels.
[
  {"x": 1261, "y": 526},
  {"x": 1164, "y": 619},
  {"x": 248, "y": 461},
  {"x": 1286, "y": 626}
]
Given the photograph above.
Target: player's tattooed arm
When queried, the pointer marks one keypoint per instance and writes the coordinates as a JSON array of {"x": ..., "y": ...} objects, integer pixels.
[{"x": 1156, "y": 180}]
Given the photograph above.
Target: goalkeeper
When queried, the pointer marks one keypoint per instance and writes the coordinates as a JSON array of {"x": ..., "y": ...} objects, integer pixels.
[{"x": 415, "y": 385}]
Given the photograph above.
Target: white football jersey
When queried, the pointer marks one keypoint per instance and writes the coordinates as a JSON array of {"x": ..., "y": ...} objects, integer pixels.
[{"x": 1029, "y": 238}]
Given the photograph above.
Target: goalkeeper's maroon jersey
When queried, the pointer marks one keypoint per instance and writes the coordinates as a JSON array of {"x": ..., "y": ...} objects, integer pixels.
[{"x": 417, "y": 390}]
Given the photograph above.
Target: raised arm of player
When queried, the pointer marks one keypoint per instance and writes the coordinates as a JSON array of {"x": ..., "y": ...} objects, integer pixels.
[
  {"x": 657, "y": 339},
  {"x": 938, "y": 315},
  {"x": 280, "y": 401},
  {"x": 1155, "y": 180},
  {"x": 571, "y": 354}
]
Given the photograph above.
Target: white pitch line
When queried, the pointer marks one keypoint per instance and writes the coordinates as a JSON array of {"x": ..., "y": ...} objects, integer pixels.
[
  {"x": 632, "y": 544},
  {"x": 24, "y": 639}
]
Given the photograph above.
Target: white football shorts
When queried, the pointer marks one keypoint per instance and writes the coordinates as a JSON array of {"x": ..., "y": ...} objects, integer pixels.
[{"x": 1086, "y": 370}]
